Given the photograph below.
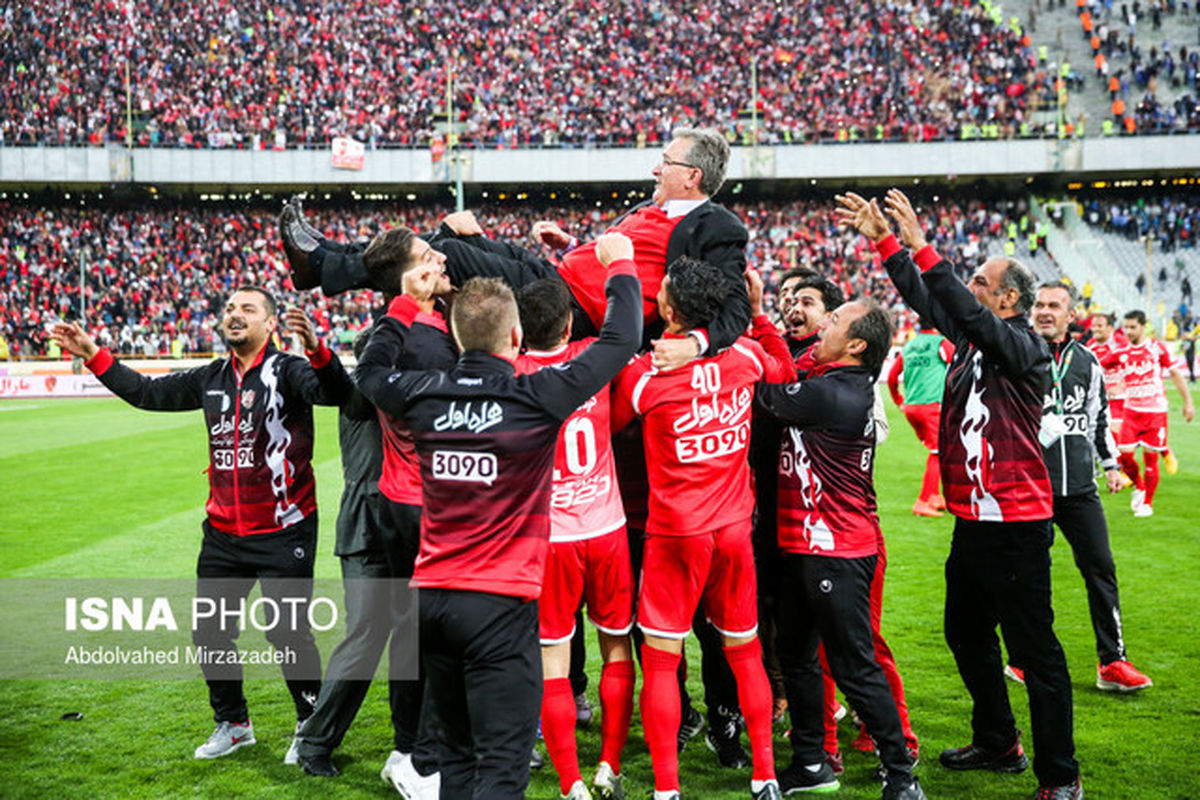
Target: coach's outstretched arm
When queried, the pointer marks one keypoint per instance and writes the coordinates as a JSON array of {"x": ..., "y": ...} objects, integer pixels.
[
  {"x": 1010, "y": 346},
  {"x": 866, "y": 216},
  {"x": 567, "y": 387},
  {"x": 176, "y": 391}
]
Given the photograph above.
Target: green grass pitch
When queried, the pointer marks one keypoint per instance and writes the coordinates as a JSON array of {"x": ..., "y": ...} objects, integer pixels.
[{"x": 93, "y": 488}]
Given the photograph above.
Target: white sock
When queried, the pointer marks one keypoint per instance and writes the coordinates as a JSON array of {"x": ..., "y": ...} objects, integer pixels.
[
  {"x": 758, "y": 786},
  {"x": 667, "y": 795}
]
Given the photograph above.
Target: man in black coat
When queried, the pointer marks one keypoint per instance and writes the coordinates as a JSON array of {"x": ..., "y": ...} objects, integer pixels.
[{"x": 681, "y": 219}]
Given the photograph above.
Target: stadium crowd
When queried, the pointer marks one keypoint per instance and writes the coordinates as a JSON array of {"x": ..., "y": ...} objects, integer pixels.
[
  {"x": 240, "y": 73},
  {"x": 1171, "y": 220},
  {"x": 153, "y": 273}
]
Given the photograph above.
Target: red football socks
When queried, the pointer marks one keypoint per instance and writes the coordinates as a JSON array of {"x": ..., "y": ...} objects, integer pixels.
[
  {"x": 558, "y": 727},
  {"x": 933, "y": 474},
  {"x": 660, "y": 714},
  {"x": 617, "y": 679},
  {"x": 1129, "y": 467},
  {"x": 754, "y": 696},
  {"x": 1151, "y": 459}
]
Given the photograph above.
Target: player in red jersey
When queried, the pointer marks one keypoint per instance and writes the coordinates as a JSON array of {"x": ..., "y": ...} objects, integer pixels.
[
  {"x": 696, "y": 428},
  {"x": 588, "y": 559},
  {"x": 1145, "y": 425},
  {"x": 1107, "y": 339}
]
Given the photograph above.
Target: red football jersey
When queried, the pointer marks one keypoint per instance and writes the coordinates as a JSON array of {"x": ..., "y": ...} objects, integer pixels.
[
  {"x": 585, "y": 501},
  {"x": 1113, "y": 382},
  {"x": 696, "y": 429},
  {"x": 1141, "y": 366}
]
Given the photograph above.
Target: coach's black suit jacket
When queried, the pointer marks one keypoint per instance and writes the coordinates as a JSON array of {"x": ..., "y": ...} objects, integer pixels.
[{"x": 710, "y": 232}]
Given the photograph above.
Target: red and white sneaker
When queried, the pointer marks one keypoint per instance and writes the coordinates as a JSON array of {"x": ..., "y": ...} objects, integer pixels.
[
  {"x": 1014, "y": 674},
  {"x": 1121, "y": 676}
]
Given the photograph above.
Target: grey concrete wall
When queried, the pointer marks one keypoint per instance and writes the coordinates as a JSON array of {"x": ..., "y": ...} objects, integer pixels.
[{"x": 413, "y": 167}]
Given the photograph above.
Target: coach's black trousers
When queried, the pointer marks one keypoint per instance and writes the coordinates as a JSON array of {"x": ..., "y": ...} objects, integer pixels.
[
  {"x": 370, "y": 624},
  {"x": 483, "y": 668},
  {"x": 824, "y": 599},
  {"x": 1081, "y": 519},
  {"x": 998, "y": 573},
  {"x": 226, "y": 572}
]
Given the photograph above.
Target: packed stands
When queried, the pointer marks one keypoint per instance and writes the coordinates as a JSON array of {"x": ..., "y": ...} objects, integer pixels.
[{"x": 251, "y": 74}]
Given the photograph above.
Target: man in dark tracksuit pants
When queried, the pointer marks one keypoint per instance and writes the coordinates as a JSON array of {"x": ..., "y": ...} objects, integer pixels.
[
  {"x": 262, "y": 505},
  {"x": 1075, "y": 432},
  {"x": 486, "y": 440},
  {"x": 368, "y": 612},
  {"x": 828, "y": 530},
  {"x": 384, "y": 529},
  {"x": 997, "y": 488}
]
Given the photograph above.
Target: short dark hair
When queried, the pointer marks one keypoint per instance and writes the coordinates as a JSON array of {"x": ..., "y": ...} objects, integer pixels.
[
  {"x": 1136, "y": 314},
  {"x": 696, "y": 291},
  {"x": 802, "y": 273},
  {"x": 875, "y": 328},
  {"x": 832, "y": 295},
  {"x": 1017, "y": 276},
  {"x": 387, "y": 258},
  {"x": 1110, "y": 318},
  {"x": 545, "y": 308},
  {"x": 268, "y": 298},
  {"x": 1072, "y": 295},
  {"x": 483, "y": 313},
  {"x": 709, "y": 152}
]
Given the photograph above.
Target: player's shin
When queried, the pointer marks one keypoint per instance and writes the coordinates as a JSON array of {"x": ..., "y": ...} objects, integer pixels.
[
  {"x": 617, "y": 680},
  {"x": 660, "y": 714},
  {"x": 558, "y": 727},
  {"x": 754, "y": 696}
]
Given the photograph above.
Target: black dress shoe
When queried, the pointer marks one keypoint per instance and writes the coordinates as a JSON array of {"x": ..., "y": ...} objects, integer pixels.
[
  {"x": 298, "y": 246},
  {"x": 297, "y": 202},
  {"x": 319, "y": 766},
  {"x": 971, "y": 757}
]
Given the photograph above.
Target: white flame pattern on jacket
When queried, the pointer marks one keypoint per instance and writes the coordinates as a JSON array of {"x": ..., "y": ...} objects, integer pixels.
[
  {"x": 975, "y": 419},
  {"x": 815, "y": 530},
  {"x": 278, "y": 439}
]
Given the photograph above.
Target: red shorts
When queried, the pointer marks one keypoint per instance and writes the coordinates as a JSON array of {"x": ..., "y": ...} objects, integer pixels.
[
  {"x": 1116, "y": 413},
  {"x": 679, "y": 573},
  {"x": 596, "y": 570},
  {"x": 1143, "y": 429},
  {"x": 924, "y": 420}
]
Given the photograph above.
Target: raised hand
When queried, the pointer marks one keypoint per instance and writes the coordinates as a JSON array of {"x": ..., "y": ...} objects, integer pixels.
[
  {"x": 901, "y": 210},
  {"x": 754, "y": 288},
  {"x": 463, "y": 223},
  {"x": 612, "y": 247},
  {"x": 74, "y": 339},
  {"x": 548, "y": 233},
  {"x": 296, "y": 321},
  {"x": 864, "y": 215}
]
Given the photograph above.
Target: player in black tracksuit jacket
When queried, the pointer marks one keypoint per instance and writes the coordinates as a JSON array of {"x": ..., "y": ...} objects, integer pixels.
[
  {"x": 828, "y": 534},
  {"x": 1075, "y": 434},
  {"x": 262, "y": 504},
  {"x": 486, "y": 439}
]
